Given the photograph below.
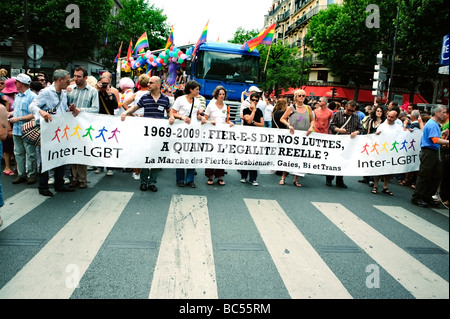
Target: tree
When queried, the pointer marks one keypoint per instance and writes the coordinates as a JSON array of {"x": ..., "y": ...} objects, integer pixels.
[
  {"x": 343, "y": 41},
  {"x": 136, "y": 17},
  {"x": 241, "y": 35},
  {"x": 54, "y": 34},
  {"x": 347, "y": 46},
  {"x": 422, "y": 24},
  {"x": 284, "y": 67},
  {"x": 283, "y": 64}
]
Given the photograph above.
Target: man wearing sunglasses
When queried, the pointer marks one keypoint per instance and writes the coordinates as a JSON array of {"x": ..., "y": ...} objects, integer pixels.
[{"x": 345, "y": 122}]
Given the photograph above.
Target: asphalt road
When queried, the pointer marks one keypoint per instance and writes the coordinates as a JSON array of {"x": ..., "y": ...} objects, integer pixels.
[{"x": 266, "y": 242}]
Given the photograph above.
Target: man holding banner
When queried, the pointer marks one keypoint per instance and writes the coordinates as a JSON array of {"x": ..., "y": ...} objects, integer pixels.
[
  {"x": 344, "y": 122},
  {"x": 429, "y": 177},
  {"x": 155, "y": 104},
  {"x": 50, "y": 101}
]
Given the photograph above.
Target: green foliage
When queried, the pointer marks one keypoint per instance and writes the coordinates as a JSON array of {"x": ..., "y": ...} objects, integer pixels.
[
  {"x": 422, "y": 24},
  {"x": 342, "y": 40},
  {"x": 283, "y": 63},
  {"x": 136, "y": 17},
  {"x": 283, "y": 67},
  {"x": 47, "y": 27},
  {"x": 241, "y": 35},
  {"x": 69, "y": 44}
]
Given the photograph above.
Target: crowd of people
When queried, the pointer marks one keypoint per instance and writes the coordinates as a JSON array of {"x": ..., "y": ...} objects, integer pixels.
[{"x": 25, "y": 98}]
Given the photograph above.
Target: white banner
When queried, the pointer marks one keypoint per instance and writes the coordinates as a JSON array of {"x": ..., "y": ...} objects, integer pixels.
[{"x": 137, "y": 142}]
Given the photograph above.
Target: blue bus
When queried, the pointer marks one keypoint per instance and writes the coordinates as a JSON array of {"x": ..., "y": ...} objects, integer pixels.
[{"x": 228, "y": 65}]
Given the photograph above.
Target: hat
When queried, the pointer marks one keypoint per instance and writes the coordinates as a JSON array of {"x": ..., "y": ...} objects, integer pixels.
[
  {"x": 23, "y": 78},
  {"x": 10, "y": 86},
  {"x": 254, "y": 89}
]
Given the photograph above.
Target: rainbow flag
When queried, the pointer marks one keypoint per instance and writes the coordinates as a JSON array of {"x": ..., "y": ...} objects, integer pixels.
[
  {"x": 130, "y": 50},
  {"x": 201, "y": 40},
  {"x": 141, "y": 43},
  {"x": 170, "y": 39},
  {"x": 118, "y": 54},
  {"x": 264, "y": 37}
]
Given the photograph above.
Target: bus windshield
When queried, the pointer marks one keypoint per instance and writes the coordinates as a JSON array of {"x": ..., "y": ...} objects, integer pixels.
[{"x": 227, "y": 67}]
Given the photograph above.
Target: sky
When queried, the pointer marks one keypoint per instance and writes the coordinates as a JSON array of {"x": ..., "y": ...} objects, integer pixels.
[{"x": 225, "y": 17}]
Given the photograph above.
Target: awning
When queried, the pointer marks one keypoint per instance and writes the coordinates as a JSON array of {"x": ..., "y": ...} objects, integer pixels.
[
  {"x": 365, "y": 96},
  {"x": 341, "y": 93}
]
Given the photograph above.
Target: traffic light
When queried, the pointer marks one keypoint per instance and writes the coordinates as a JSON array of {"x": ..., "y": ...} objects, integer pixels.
[{"x": 379, "y": 77}]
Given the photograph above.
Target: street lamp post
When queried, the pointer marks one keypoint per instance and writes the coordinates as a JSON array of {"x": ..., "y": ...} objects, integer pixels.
[
  {"x": 393, "y": 57},
  {"x": 25, "y": 34}
]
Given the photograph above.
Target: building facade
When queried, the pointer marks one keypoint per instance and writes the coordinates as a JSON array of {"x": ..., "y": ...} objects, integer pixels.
[{"x": 292, "y": 18}]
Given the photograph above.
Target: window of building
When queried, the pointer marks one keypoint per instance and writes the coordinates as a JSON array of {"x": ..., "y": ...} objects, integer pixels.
[{"x": 322, "y": 75}]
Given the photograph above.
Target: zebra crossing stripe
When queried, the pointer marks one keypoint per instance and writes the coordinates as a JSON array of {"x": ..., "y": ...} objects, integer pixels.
[
  {"x": 185, "y": 266},
  {"x": 433, "y": 233},
  {"x": 55, "y": 271},
  {"x": 29, "y": 199},
  {"x": 19, "y": 205},
  {"x": 303, "y": 272},
  {"x": 419, "y": 280}
]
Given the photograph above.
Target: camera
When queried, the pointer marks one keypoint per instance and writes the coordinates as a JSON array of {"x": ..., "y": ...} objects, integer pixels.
[{"x": 104, "y": 85}]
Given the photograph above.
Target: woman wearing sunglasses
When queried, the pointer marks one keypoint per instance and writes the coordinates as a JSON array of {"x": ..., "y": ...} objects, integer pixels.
[
  {"x": 253, "y": 116},
  {"x": 298, "y": 117}
]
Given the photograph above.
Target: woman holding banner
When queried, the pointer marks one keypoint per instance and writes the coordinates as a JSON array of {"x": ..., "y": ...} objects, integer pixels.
[
  {"x": 298, "y": 117},
  {"x": 253, "y": 116},
  {"x": 187, "y": 108},
  {"x": 217, "y": 113}
]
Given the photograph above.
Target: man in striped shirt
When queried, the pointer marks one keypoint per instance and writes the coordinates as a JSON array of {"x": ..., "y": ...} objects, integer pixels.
[
  {"x": 345, "y": 122},
  {"x": 83, "y": 98},
  {"x": 155, "y": 105}
]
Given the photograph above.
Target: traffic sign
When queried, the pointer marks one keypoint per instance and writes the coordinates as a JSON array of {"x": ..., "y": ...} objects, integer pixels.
[{"x": 35, "y": 51}]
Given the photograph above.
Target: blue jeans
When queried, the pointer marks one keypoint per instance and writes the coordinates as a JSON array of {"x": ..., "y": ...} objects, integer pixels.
[{"x": 185, "y": 176}]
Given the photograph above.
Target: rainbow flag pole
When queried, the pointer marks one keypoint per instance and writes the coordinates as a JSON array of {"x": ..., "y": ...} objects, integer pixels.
[
  {"x": 264, "y": 37},
  {"x": 170, "y": 40},
  {"x": 201, "y": 40},
  {"x": 141, "y": 44}
]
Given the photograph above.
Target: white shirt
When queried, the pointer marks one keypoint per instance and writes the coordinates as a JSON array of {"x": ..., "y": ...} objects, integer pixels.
[
  {"x": 268, "y": 112},
  {"x": 387, "y": 129},
  {"x": 216, "y": 114},
  {"x": 183, "y": 107},
  {"x": 48, "y": 99}
]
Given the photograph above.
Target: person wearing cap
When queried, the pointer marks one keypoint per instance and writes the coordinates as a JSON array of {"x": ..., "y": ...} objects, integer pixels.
[
  {"x": 246, "y": 102},
  {"x": 9, "y": 93},
  {"x": 25, "y": 153}
]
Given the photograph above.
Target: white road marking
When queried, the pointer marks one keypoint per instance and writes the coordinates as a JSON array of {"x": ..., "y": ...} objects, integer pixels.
[
  {"x": 433, "y": 233},
  {"x": 419, "y": 280},
  {"x": 185, "y": 266},
  {"x": 19, "y": 205},
  {"x": 56, "y": 270},
  {"x": 302, "y": 270}
]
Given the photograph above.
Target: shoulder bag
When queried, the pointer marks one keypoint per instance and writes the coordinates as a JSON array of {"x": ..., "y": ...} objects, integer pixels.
[{"x": 31, "y": 130}]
